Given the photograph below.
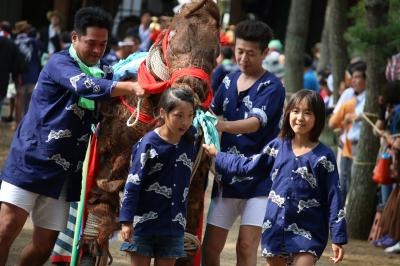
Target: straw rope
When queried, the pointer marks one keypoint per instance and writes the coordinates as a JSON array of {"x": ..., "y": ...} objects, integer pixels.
[
  {"x": 136, "y": 112},
  {"x": 155, "y": 64}
]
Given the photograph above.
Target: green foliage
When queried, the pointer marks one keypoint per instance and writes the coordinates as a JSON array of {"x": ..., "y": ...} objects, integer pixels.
[{"x": 359, "y": 37}]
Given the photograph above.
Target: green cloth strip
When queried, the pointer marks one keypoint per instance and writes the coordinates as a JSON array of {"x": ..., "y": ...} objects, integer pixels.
[
  {"x": 81, "y": 206},
  {"x": 208, "y": 123},
  {"x": 93, "y": 71}
]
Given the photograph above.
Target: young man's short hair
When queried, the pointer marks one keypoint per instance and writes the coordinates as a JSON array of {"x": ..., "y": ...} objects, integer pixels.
[
  {"x": 359, "y": 66},
  {"x": 254, "y": 31},
  {"x": 91, "y": 17}
]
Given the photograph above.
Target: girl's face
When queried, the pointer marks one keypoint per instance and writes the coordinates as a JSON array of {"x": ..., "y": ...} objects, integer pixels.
[
  {"x": 302, "y": 119},
  {"x": 179, "y": 120}
]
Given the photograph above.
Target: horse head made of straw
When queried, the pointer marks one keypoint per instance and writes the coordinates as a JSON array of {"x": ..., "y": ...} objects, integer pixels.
[{"x": 193, "y": 42}]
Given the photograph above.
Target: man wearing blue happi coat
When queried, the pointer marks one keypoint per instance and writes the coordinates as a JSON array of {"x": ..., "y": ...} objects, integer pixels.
[{"x": 43, "y": 170}]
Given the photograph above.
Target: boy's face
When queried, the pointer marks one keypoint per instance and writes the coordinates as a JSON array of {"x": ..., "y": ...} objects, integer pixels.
[
  {"x": 91, "y": 46},
  {"x": 249, "y": 56}
]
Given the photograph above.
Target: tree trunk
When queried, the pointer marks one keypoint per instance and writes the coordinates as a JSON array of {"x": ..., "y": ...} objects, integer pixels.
[
  {"x": 324, "y": 52},
  {"x": 360, "y": 209},
  {"x": 296, "y": 38},
  {"x": 235, "y": 12},
  {"x": 337, "y": 44}
]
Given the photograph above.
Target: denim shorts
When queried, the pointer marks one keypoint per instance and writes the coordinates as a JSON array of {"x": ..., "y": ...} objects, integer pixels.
[
  {"x": 156, "y": 246},
  {"x": 288, "y": 257}
]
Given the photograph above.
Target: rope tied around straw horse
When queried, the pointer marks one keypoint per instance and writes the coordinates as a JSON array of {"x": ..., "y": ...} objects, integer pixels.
[{"x": 149, "y": 83}]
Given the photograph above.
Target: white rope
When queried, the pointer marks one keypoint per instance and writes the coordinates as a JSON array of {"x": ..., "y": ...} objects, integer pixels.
[
  {"x": 191, "y": 242},
  {"x": 137, "y": 112}
]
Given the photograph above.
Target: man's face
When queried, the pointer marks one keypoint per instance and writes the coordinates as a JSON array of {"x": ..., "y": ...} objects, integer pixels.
[
  {"x": 145, "y": 19},
  {"x": 358, "y": 81},
  {"x": 249, "y": 56},
  {"x": 91, "y": 46}
]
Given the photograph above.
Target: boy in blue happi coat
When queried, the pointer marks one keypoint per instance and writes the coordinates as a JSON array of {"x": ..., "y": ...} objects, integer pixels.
[{"x": 250, "y": 101}]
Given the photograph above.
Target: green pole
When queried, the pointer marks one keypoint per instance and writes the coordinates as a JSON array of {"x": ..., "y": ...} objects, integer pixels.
[{"x": 81, "y": 207}]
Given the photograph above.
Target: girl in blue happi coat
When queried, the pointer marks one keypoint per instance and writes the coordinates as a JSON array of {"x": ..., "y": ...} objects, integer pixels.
[
  {"x": 153, "y": 212},
  {"x": 304, "y": 201}
]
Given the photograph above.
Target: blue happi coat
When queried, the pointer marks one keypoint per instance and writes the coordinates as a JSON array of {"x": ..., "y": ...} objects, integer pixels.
[
  {"x": 49, "y": 145},
  {"x": 155, "y": 194},
  {"x": 304, "y": 203},
  {"x": 264, "y": 100}
]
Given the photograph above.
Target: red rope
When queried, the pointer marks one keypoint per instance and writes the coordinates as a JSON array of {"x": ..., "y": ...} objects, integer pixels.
[
  {"x": 165, "y": 47},
  {"x": 152, "y": 86},
  {"x": 145, "y": 118}
]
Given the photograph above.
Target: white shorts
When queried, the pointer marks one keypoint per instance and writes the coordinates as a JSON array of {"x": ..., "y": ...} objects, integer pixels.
[
  {"x": 224, "y": 211},
  {"x": 45, "y": 212}
]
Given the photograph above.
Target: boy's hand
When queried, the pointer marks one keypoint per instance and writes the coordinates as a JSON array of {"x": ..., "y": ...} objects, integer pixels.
[
  {"x": 127, "y": 232},
  {"x": 338, "y": 253},
  {"x": 210, "y": 149}
]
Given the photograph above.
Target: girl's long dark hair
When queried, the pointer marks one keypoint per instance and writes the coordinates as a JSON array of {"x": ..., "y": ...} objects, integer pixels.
[
  {"x": 316, "y": 105},
  {"x": 171, "y": 98}
]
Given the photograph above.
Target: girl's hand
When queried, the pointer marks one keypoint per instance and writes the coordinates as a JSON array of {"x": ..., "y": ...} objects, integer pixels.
[
  {"x": 338, "y": 253},
  {"x": 127, "y": 232},
  {"x": 210, "y": 149}
]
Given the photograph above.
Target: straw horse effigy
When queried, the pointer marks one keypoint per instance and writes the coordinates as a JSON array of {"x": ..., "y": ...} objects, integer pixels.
[{"x": 184, "y": 56}]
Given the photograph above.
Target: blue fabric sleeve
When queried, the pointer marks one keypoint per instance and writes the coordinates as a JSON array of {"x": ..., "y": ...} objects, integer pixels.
[
  {"x": 230, "y": 165},
  {"x": 217, "y": 77},
  {"x": 134, "y": 181},
  {"x": 68, "y": 74},
  {"x": 310, "y": 82},
  {"x": 268, "y": 103},
  {"x": 337, "y": 221}
]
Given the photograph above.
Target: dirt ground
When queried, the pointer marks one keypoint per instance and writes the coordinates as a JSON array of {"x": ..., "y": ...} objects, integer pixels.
[{"x": 356, "y": 252}]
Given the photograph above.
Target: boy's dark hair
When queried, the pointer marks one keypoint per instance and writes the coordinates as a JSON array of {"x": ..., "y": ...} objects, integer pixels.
[
  {"x": 226, "y": 52},
  {"x": 359, "y": 66},
  {"x": 171, "y": 98},
  {"x": 308, "y": 61},
  {"x": 254, "y": 31},
  {"x": 317, "y": 106},
  {"x": 91, "y": 17}
]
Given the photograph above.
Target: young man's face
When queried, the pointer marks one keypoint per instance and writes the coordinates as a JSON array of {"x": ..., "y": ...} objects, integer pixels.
[
  {"x": 249, "y": 56},
  {"x": 358, "y": 81},
  {"x": 91, "y": 46}
]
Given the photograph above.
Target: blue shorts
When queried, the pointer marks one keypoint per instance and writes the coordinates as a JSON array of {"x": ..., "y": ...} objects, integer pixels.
[{"x": 156, "y": 246}]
